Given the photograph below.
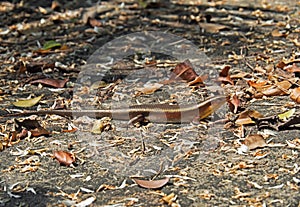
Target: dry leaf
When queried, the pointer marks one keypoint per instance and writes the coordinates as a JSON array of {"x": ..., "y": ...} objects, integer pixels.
[
  {"x": 254, "y": 141},
  {"x": 27, "y": 102},
  {"x": 277, "y": 33},
  {"x": 234, "y": 103},
  {"x": 284, "y": 116},
  {"x": 51, "y": 82},
  {"x": 245, "y": 117},
  {"x": 281, "y": 88},
  {"x": 259, "y": 85},
  {"x": 39, "y": 131},
  {"x": 295, "y": 95},
  {"x": 224, "y": 76},
  {"x": 152, "y": 184},
  {"x": 184, "y": 71},
  {"x": 64, "y": 158}
]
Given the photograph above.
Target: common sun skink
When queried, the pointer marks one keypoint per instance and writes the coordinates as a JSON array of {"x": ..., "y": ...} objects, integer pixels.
[{"x": 159, "y": 113}]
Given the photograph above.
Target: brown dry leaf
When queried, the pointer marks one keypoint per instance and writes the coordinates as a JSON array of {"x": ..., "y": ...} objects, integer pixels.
[
  {"x": 234, "y": 103},
  {"x": 51, "y": 82},
  {"x": 277, "y": 33},
  {"x": 152, "y": 184},
  {"x": 258, "y": 85},
  {"x": 254, "y": 141},
  {"x": 27, "y": 102},
  {"x": 198, "y": 80},
  {"x": 39, "y": 131},
  {"x": 224, "y": 76},
  {"x": 295, "y": 95},
  {"x": 212, "y": 28},
  {"x": 240, "y": 75},
  {"x": 184, "y": 71},
  {"x": 64, "y": 158},
  {"x": 245, "y": 117},
  {"x": 280, "y": 88}
]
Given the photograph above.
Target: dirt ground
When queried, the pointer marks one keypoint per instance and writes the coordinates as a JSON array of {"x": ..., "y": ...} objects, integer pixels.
[{"x": 258, "y": 40}]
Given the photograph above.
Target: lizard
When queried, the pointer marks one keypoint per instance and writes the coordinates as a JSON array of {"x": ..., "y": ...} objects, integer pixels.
[{"x": 158, "y": 113}]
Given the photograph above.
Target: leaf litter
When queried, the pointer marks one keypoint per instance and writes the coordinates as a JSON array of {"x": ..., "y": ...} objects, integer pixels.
[{"x": 262, "y": 84}]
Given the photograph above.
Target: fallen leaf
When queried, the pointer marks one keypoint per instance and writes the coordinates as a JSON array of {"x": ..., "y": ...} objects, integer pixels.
[
  {"x": 152, "y": 184},
  {"x": 277, "y": 33},
  {"x": 280, "y": 88},
  {"x": 234, "y": 103},
  {"x": 64, "y": 158},
  {"x": 39, "y": 131},
  {"x": 51, "y": 82},
  {"x": 295, "y": 95},
  {"x": 254, "y": 141},
  {"x": 184, "y": 71},
  {"x": 284, "y": 116},
  {"x": 258, "y": 85},
  {"x": 198, "y": 80},
  {"x": 246, "y": 117},
  {"x": 51, "y": 45},
  {"x": 224, "y": 76},
  {"x": 27, "y": 102}
]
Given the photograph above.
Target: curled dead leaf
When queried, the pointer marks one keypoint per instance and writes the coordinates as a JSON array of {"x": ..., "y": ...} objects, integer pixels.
[
  {"x": 64, "y": 158},
  {"x": 224, "y": 75},
  {"x": 152, "y": 184},
  {"x": 258, "y": 85},
  {"x": 254, "y": 141},
  {"x": 184, "y": 71},
  {"x": 295, "y": 95},
  {"x": 51, "y": 82},
  {"x": 280, "y": 88},
  {"x": 234, "y": 103},
  {"x": 27, "y": 102},
  {"x": 246, "y": 117}
]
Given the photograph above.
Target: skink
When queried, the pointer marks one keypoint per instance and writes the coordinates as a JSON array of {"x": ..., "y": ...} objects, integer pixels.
[{"x": 159, "y": 113}]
